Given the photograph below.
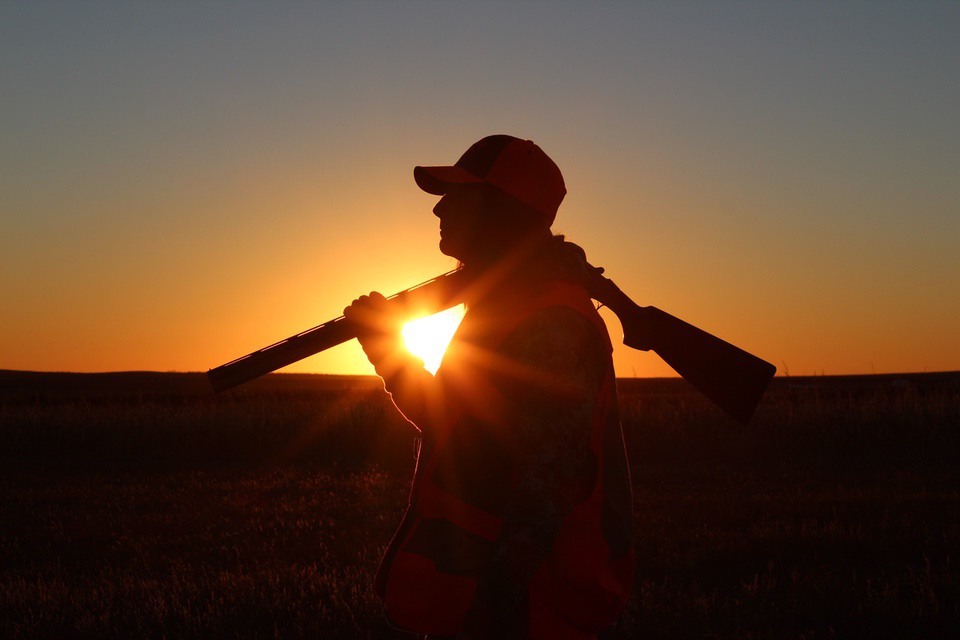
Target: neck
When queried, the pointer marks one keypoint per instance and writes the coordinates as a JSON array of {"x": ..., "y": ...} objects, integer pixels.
[{"x": 510, "y": 270}]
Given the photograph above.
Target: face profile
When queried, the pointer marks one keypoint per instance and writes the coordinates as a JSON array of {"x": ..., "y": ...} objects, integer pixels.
[
  {"x": 461, "y": 211},
  {"x": 480, "y": 224}
]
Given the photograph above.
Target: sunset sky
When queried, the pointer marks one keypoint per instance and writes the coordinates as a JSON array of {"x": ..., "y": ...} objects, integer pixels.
[{"x": 182, "y": 183}]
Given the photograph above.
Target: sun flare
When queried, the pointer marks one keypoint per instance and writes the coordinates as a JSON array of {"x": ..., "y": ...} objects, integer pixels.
[{"x": 427, "y": 338}]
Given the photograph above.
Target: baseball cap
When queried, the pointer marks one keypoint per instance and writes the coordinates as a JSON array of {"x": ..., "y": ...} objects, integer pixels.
[{"x": 516, "y": 167}]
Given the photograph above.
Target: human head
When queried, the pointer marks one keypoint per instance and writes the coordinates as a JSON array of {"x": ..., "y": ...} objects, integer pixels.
[{"x": 502, "y": 191}]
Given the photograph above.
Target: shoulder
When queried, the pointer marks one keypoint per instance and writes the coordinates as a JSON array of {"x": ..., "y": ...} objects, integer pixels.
[{"x": 556, "y": 338}]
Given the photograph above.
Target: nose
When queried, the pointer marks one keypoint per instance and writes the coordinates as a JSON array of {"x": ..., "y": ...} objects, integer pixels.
[{"x": 441, "y": 207}]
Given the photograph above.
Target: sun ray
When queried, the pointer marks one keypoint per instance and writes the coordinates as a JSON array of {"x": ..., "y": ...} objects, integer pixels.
[{"x": 427, "y": 338}]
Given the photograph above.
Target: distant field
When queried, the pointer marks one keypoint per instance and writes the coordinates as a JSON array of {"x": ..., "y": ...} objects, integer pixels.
[{"x": 139, "y": 505}]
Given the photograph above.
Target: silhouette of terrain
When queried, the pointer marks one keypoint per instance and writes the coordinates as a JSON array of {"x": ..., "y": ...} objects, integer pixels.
[{"x": 141, "y": 504}]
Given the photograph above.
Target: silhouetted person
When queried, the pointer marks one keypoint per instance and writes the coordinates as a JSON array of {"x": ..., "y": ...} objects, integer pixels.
[{"x": 519, "y": 524}]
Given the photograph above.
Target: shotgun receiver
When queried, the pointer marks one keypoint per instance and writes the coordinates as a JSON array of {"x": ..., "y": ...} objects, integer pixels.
[{"x": 729, "y": 376}]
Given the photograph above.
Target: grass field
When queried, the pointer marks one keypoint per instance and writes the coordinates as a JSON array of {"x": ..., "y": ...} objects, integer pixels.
[{"x": 137, "y": 505}]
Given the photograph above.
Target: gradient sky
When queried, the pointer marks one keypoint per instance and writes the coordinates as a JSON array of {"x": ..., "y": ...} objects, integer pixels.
[{"x": 182, "y": 183}]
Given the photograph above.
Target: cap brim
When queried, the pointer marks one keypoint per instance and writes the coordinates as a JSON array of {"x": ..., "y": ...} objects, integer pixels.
[{"x": 437, "y": 180}]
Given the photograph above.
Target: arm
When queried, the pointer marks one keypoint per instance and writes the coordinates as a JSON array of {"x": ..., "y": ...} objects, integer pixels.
[
  {"x": 551, "y": 412},
  {"x": 378, "y": 326}
]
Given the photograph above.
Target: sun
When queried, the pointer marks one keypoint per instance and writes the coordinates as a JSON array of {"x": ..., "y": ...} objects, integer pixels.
[{"x": 427, "y": 338}]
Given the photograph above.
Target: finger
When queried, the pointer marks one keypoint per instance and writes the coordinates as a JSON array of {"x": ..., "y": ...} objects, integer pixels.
[{"x": 357, "y": 305}]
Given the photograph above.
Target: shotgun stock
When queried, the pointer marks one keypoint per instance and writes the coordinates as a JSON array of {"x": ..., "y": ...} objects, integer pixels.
[{"x": 729, "y": 376}]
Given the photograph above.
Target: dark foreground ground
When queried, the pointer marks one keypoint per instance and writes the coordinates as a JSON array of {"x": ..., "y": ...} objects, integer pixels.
[{"x": 136, "y": 505}]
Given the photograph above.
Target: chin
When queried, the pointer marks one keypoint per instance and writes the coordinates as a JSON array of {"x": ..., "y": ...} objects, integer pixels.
[{"x": 449, "y": 249}]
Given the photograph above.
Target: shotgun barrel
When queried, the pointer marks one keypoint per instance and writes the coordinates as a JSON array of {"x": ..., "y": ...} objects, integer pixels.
[{"x": 424, "y": 299}]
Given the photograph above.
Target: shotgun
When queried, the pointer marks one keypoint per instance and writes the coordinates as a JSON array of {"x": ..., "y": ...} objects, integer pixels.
[{"x": 732, "y": 378}]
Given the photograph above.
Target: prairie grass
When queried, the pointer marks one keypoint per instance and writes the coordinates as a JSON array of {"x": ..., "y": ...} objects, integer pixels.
[{"x": 138, "y": 512}]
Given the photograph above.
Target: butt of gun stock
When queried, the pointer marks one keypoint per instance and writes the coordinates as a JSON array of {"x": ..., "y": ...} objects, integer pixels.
[{"x": 732, "y": 378}]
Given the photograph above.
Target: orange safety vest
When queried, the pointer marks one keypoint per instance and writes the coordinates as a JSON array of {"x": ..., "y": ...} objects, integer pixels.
[{"x": 465, "y": 476}]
